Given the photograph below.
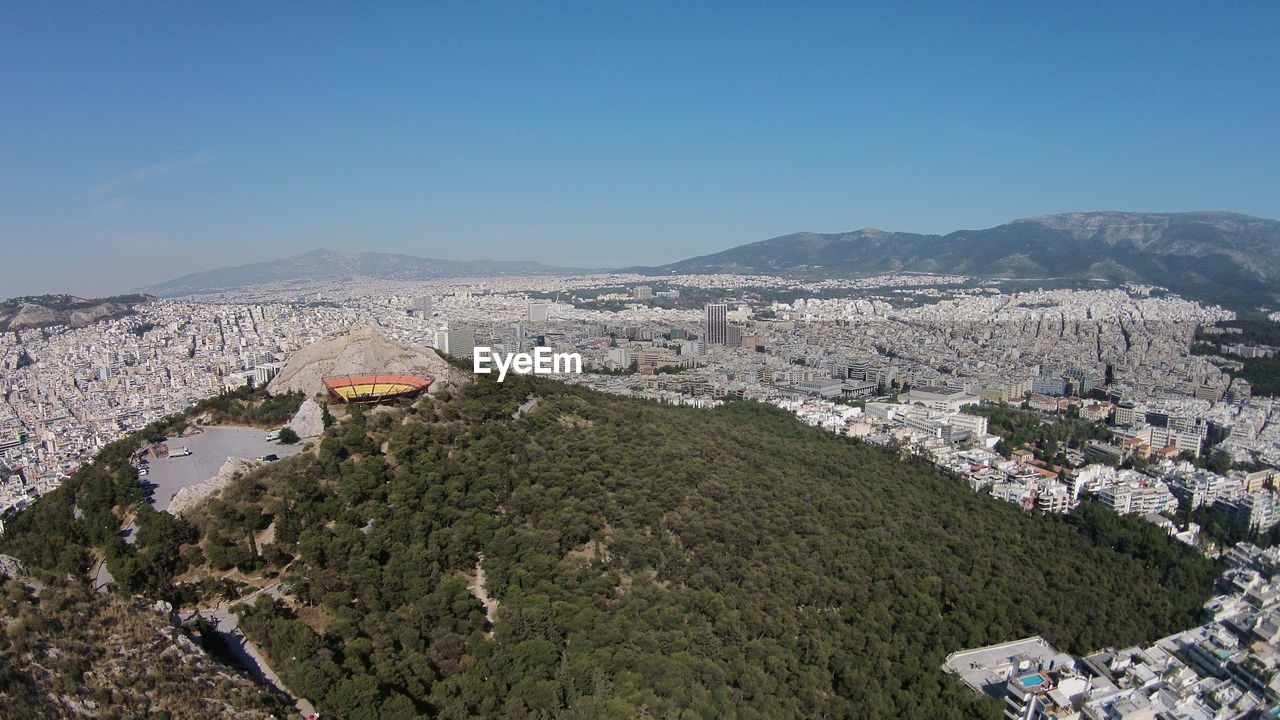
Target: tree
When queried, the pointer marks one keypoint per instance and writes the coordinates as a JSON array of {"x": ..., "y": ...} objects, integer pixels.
[
  {"x": 288, "y": 436},
  {"x": 1220, "y": 461},
  {"x": 775, "y": 568}
]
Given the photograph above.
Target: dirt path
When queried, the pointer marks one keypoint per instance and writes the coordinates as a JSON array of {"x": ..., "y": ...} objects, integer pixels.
[{"x": 478, "y": 591}]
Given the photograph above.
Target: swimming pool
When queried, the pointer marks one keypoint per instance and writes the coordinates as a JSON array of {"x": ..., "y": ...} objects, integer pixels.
[{"x": 1031, "y": 681}]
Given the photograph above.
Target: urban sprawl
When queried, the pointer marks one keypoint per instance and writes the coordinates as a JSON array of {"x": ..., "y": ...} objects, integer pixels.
[{"x": 905, "y": 361}]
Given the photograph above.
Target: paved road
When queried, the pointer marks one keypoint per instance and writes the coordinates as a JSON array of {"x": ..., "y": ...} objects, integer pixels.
[
  {"x": 248, "y": 654},
  {"x": 101, "y": 576},
  {"x": 524, "y": 408}
]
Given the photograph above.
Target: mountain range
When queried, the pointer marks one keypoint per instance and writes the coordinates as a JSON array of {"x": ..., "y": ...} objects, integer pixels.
[
  {"x": 1215, "y": 256},
  {"x": 1219, "y": 256},
  {"x": 332, "y": 265}
]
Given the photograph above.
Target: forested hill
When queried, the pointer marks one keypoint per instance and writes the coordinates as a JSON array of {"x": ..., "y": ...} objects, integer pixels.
[
  {"x": 648, "y": 561},
  {"x": 653, "y": 561},
  {"x": 46, "y": 310}
]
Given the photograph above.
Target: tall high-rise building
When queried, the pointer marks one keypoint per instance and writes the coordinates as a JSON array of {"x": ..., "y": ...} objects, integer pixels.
[
  {"x": 716, "y": 323},
  {"x": 642, "y": 292},
  {"x": 538, "y": 312},
  {"x": 733, "y": 336},
  {"x": 422, "y": 305},
  {"x": 462, "y": 341}
]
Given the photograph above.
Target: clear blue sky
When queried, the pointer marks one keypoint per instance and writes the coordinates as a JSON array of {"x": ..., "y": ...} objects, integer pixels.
[{"x": 139, "y": 142}]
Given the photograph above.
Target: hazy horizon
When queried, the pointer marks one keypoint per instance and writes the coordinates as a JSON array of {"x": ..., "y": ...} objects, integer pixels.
[
  {"x": 569, "y": 266},
  {"x": 147, "y": 142}
]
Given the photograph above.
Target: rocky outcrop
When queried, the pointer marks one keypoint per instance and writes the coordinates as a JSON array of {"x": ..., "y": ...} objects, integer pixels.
[
  {"x": 361, "y": 351},
  {"x": 47, "y": 310},
  {"x": 11, "y": 567},
  {"x": 232, "y": 469},
  {"x": 308, "y": 422},
  {"x": 70, "y": 652}
]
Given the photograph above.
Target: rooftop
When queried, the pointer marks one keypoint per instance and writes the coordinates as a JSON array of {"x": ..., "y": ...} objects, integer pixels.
[
  {"x": 937, "y": 390},
  {"x": 988, "y": 669}
]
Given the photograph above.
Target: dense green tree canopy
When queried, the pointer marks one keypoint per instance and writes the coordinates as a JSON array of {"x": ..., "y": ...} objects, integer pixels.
[
  {"x": 648, "y": 561},
  {"x": 654, "y": 561}
]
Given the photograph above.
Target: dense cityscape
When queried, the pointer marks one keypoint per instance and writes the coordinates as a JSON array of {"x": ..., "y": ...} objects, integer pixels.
[
  {"x": 684, "y": 361},
  {"x": 868, "y": 366},
  {"x": 911, "y": 362}
]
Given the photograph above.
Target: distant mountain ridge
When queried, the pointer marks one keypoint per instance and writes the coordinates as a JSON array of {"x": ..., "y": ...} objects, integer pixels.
[
  {"x": 1223, "y": 257},
  {"x": 331, "y": 265},
  {"x": 1219, "y": 256}
]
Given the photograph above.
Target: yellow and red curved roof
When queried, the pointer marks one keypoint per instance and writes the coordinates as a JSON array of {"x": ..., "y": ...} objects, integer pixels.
[{"x": 371, "y": 388}]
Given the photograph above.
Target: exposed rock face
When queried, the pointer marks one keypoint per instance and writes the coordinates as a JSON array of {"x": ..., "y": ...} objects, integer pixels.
[
  {"x": 190, "y": 495},
  {"x": 308, "y": 422},
  {"x": 72, "y": 653},
  {"x": 11, "y": 567},
  {"x": 361, "y": 351}
]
